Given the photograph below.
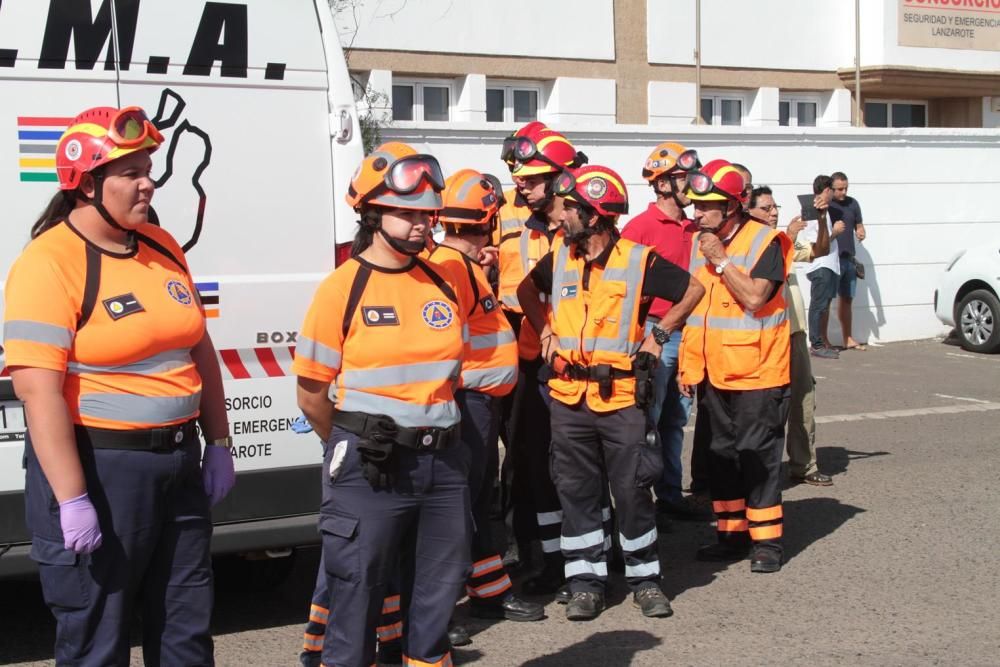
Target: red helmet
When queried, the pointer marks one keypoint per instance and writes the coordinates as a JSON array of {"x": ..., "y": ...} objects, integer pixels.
[
  {"x": 718, "y": 180},
  {"x": 596, "y": 187},
  {"x": 394, "y": 175},
  {"x": 507, "y": 151},
  {"x": 99, "y": 135},
  {"x": 540, "y": 150},
  {"x": 469, "y": 199}
]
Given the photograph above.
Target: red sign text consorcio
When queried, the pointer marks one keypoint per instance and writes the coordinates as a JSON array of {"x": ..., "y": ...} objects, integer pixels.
[{"x": 989, "y": 5}]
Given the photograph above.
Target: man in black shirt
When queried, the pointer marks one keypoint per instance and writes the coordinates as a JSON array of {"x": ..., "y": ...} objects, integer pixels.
[{"x": 846, "y": 208}]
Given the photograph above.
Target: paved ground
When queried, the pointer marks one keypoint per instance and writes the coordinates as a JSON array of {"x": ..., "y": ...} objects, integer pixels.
[{"x": 894, "y": 565}]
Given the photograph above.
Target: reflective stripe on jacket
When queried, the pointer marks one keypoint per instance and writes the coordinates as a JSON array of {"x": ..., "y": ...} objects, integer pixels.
[
  {"x": 740, "y": 349},
  {"x": 599, "y": 325},
  {"x": 520, "y": 249},
  {"x": 389, "y": 343}
]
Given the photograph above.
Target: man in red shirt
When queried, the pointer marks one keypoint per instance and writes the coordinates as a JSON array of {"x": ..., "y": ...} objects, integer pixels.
[{"x": 664, "y": 227}]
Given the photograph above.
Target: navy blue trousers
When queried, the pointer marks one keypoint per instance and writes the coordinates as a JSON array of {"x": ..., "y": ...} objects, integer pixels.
[
  {"x": 154, "y": 559},
  {"x": 416, "y": 533},
  {"x": 480, "y": 433}
]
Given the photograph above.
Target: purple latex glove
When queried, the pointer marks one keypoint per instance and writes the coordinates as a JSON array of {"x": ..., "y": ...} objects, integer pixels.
[
  {"x": 78, "y": 518},
  {"x": 217, "y": 472}
]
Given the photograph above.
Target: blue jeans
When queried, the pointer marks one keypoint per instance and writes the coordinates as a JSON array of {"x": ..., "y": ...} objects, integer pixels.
[
  {"x": 848, "y": 282},
  {"x": 823, "y": 288},
  {"x": 669, "y": 412}
]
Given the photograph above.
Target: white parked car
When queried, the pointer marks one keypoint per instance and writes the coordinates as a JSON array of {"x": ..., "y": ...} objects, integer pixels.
[{"x": 966, "y": 297}]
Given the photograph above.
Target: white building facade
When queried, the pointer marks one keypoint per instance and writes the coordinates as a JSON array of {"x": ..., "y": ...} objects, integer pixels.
[{"x": 774, "y": 90}]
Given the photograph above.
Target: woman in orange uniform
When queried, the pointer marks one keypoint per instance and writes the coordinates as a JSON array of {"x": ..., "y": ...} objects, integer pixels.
[
  {"x": 106, "y": 341},
  {"x": 378, "y": 359}
]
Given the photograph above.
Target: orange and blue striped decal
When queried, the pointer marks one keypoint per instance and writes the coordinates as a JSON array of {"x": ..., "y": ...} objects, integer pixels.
[
  {"x": 209, "y": 294},
  {"x": 37, "y": 137}
]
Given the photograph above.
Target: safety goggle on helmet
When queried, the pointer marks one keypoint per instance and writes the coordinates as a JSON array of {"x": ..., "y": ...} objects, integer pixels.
[
  {"x": 596, "y": 187},
  {"x": 396, "y": 176},
  {"x": 131, "y": 126}
]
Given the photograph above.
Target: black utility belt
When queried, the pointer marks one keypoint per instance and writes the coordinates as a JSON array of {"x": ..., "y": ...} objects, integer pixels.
[
  {"x": 385, "y": 427},
  {"x": 159, "y": 439},
  {"x": 598, "y": 373}
]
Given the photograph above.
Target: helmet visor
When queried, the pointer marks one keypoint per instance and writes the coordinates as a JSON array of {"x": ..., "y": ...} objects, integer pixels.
[
  {"x": 702, "y": 184},
  {"x": 130, "y": 127},
  {"x": 564, "y": 184},
  {"x": 405, "y": 174},
  {"x": 507, "y": 151},
  {"x": 688, "y": 160}
]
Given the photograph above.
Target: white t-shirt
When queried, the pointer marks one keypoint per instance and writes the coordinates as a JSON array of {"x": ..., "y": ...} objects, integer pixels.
[{"x": 829, "y": 261}]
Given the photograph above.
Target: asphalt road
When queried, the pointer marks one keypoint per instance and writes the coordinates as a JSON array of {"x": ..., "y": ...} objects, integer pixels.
[{"x": 896, "y": 564}]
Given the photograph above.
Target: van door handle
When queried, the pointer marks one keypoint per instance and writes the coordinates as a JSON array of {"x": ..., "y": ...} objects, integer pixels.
[{"x": 342, "y": 126}]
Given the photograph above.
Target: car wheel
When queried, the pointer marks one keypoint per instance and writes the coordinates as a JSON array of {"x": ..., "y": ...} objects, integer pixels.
[{"x": 979, "y": 321}]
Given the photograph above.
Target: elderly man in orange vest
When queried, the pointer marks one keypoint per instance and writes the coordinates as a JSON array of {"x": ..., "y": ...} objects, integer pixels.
[
  {"x": 599, "y": 288},
  {"x": 737, "y": 342}
]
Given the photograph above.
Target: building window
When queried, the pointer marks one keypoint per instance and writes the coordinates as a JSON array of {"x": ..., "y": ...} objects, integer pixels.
[
  {"x": 895, "y": 114},
  {"x": 421, "y": 100},
  {"x": 797, "y": 111},
  {"x": 510, "y": 102},
  {"x": 722, "y": 109}
]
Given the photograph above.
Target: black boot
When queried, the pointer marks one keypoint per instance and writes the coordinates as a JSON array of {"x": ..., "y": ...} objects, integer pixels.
[
  {"x": 549, "y": 580},
  {"x": 510, "y": 607}
]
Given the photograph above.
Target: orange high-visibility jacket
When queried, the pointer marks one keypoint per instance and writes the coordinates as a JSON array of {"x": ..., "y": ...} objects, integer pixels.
[
  {"x": 515, "y": 257},
  {"x": 128, "y": 364},
  {"x": 490, "y": 364},
  {"x": 738, "y": 349},
  {"x": 512, "y": 215},
  {"x": 388, "y": 342},
  {"x": 599, "y": 325}
]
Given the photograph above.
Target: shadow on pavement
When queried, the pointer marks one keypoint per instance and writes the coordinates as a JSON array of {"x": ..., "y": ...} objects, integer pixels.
[
  {"x": 29, "y": 630},
  {"x": 834, "y": 460},
  {"x": 600, "y": 648},
  {"x": 811, "y": 519}
]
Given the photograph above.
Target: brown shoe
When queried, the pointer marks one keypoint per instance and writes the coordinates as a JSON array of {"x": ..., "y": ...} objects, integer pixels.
[{"x": 814, "y": 478}]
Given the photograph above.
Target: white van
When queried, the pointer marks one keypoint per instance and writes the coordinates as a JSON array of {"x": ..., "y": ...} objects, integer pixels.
[{"x": 254, "y": 101}]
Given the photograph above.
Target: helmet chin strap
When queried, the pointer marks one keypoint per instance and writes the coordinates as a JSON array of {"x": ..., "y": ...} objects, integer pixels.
[
  {"x": 671, "y": 192},
  {"x": 410, "y": 248},
  {"x": 99, "y": 203}
]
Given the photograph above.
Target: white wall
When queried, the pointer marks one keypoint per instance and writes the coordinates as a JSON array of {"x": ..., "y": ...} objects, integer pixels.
[
  {"x": 909, "y": 240},
  {"x": 580, "y": 29},
  {"x": 812, "y": 34}
]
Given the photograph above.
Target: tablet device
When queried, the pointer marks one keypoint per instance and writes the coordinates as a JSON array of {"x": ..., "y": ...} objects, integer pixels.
[{"x": 809, "y": 212}]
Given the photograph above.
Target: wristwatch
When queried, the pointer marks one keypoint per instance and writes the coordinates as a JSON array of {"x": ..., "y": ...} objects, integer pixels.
[
  {"x": 661, "y": 336},
  {"x": 226, "y": 442},
  {"x": 721, "y": 266}
]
